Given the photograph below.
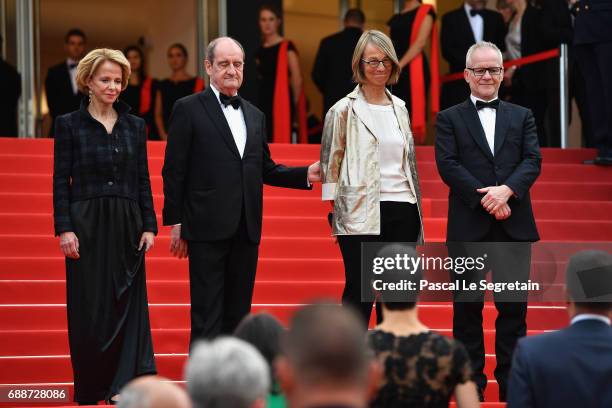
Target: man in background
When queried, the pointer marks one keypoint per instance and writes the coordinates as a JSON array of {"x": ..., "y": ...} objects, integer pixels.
[
  {"x": 332, "y": 73},
  {"x": 10, "y": 89},
  {"x": 461, "y": 28},
  {"x": 61, "y": 89}
]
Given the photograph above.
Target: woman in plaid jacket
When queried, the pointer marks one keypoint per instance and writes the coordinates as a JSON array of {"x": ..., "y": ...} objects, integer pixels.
[{"x": 104, "y": 216}]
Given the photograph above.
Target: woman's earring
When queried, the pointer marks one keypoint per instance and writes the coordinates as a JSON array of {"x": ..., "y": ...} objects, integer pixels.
[{"x": 90, "y": 95}]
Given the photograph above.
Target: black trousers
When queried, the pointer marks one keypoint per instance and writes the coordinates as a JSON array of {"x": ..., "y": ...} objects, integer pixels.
[
  {"x": 399, "y": 222},
  {"x": 595, "y": 62},
  {"x": 508, "y": 263},
  {"x": 221, "y": 281}
]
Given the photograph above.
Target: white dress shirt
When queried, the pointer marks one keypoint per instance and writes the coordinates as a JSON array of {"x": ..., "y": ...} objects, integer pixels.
[
  {"x": 476, "y": 22},
  {"x": 72, "y": 72},
  {"x": 235, "y": 120},
  {"x": 487, "y": 119},
  {"x": 589, "y": 316}
]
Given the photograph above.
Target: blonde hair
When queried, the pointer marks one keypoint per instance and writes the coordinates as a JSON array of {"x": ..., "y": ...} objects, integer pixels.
[
  {"x": 382, "y": 42},
  {"x": 92, "y": 61}
]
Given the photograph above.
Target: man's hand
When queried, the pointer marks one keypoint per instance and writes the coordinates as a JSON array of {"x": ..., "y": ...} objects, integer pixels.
[
  {"x": 69, "y": 243},
  {"x": 314, "y": 172},
  {"x": 503, "y": 213},
  {"x": 495, "y": 197},
  {"x": 178, "y": 246}
]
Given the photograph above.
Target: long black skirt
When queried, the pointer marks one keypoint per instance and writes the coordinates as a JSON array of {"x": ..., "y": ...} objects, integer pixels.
[{"x": 108, "y": 316}]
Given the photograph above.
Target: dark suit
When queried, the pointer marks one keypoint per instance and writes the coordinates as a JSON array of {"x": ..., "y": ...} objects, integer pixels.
[
  {"x": 465, "y": 163},
  {"x": 10, "y": 89},
  {"x": 565, "y": 369},
  {"x": 332, "y": 72},
  {"x": 61, "y": 98},
  {"x": 217, "y": 196},
  {"x": 456, "y": 37},
  {"x": 593, "y": 50}
]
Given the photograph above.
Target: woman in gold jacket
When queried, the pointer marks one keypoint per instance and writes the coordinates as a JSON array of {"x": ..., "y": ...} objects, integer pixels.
[{"x": 368, "y": 164}]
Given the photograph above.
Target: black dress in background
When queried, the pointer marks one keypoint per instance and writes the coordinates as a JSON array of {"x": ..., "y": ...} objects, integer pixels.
[
  {"x": 132, "y": 96},
  {"x": 267, "y": 60},
  {"x": 171, "y": 92},
  {"x": 401, "y": 29},
  {"x": 108, "y": 205},
  {"x": 420, "y": 370}
]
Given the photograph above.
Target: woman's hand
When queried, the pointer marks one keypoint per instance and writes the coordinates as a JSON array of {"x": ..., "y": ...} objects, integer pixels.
[
  {"x": 147, "y": 241},
  {"x": 69, "y": 243}
]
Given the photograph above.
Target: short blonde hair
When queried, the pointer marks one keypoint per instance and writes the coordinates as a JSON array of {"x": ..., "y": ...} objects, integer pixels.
[
  {"x": 382, "y": 42},
  {"x": 92, "y": 61}
]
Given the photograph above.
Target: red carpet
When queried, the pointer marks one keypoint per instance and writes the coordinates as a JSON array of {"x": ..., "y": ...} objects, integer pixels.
[{"x": 298, "y": 259}]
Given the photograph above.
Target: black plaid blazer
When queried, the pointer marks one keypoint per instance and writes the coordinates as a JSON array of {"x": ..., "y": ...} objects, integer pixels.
[{"x": 90, "y": 163}]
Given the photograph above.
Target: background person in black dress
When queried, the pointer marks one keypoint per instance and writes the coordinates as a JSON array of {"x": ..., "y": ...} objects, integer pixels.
[
  {"x": 266, "y": 58},
  {"x": 332, "y": 73},
  {"x": 141, "y": 90},
  {"x": 104, "y": 216},
  {"x": 400, "y": 26},
  {"x": 170, "y": 90},
  {"x": 61, "y": 89}
]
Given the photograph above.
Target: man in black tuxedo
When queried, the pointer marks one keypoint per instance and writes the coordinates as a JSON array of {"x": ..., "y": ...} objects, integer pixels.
[
  {"x": 571, "y": 367},
  {"x": 593, "y": 50},
  {"x": 63, "y": 95},
  {"x": 332, "y": 72},
  {"x": 216, "y": 163},
  {"x": 487, "y": 153},
  {"x": 10, "y": 89},
  {"x": 461, "y": 28}
]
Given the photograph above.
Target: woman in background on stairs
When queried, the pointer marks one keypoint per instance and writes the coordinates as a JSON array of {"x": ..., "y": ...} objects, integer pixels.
[
  {"x": 368, "y": 164},
  {"x": 104, "y": 216},
  {"x": 281, "y": 92}
]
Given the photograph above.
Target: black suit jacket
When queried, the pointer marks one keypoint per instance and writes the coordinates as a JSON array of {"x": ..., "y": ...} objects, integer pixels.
[
  {"x": 60, "y": 97},
  {"x": 592, "y": 24},
  {"x": 565, "y": 369},
  {"x": 10, "y": 89},
  {"x": 465, "y": 163},
  {"x": 207, "y": 185},
  {"x": 332, "y": 72},
  {"x": 534, "y": 76},
  {"x": 456, "y": 37}
]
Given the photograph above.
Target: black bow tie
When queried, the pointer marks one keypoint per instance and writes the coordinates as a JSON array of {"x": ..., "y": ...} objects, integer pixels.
[
  {"x": 493, "y": 104},
  {"x": 72, "y": 65},
  {"x": 235, "y": 100},
  {"x": 474, "y": 12}
]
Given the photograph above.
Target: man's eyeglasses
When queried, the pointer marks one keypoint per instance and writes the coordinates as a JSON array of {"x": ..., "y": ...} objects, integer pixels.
[
  {"x": 374, "y": 63},
  {"x": 481, "y": 71}
]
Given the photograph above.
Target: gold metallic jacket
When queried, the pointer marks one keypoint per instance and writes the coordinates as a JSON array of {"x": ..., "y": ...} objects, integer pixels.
[{"x": 350, "y": 165}]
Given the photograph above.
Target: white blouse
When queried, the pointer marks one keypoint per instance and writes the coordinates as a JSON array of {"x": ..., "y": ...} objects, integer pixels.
[{"x": 394, "y": 185}]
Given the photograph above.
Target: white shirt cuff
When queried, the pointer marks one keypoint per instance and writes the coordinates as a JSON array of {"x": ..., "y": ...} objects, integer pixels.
[{"x": 328, "y": 191}]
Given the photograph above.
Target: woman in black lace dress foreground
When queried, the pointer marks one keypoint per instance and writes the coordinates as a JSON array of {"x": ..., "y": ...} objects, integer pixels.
[{"x": 420, "y": 368}]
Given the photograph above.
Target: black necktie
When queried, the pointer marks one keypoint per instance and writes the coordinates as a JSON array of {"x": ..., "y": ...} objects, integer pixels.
[
  {"x": 493, "y": 104},
  {"x": 474, "y": 12},
  {"x": 235, "y": 100}
]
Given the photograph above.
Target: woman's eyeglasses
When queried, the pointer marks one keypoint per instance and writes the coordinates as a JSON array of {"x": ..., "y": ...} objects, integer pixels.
[{"x": 374, "y": 63}]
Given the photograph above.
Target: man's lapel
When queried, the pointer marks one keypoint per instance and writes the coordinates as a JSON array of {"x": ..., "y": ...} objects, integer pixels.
[
  {"x": 247, "y": 112},
  {"x": 466, "y": 26},
  {"x": 502, "y": 120},
  {"x": 213, "y": 109},
  {"x": 475, "y": 127}
]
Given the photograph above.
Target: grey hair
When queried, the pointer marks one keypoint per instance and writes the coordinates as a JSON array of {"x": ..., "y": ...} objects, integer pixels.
[
  {"x": 482, "y": 44},
  {"x": 226, "y": 372},
  {"x": 134, "y": 397},
  {"x": 210, "y": 50}
]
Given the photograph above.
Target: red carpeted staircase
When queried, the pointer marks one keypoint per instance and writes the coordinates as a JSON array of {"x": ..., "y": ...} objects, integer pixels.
[{"x": 298, "y": 260}]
